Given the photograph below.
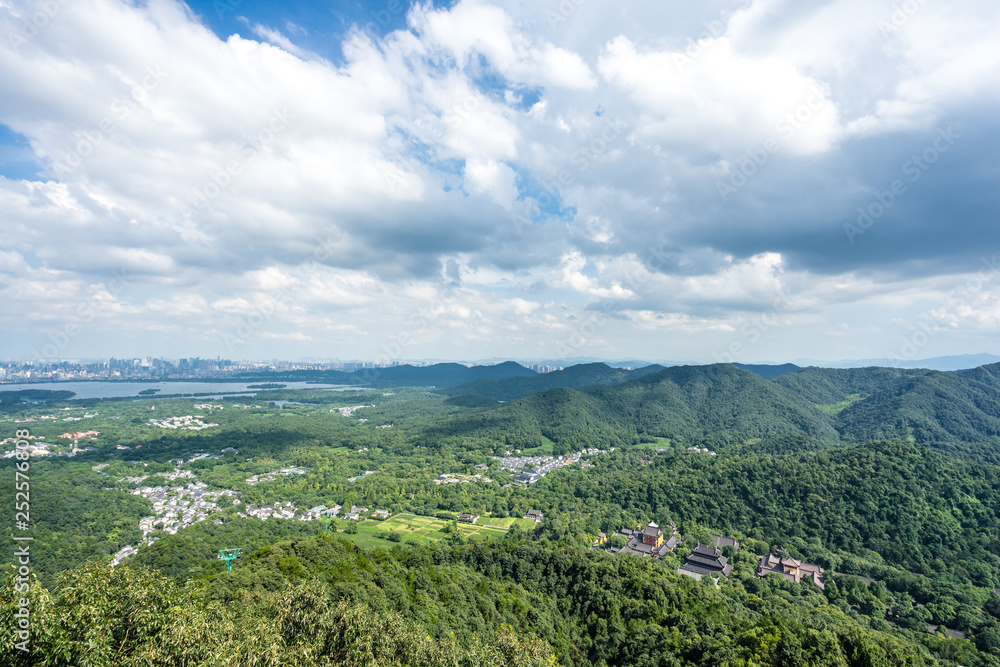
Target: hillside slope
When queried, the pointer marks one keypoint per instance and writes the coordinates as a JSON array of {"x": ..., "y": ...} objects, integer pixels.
[
  {"x": 436, "y": 375},
  {"x": 831, "y": 385},
  {"x": 934, "y": 407},
  {"x": 581, "y": 375},
  {"x": 715, "y": 405}
]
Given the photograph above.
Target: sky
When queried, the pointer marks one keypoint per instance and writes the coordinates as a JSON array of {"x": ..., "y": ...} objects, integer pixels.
[{"x": 758, "y": 180}]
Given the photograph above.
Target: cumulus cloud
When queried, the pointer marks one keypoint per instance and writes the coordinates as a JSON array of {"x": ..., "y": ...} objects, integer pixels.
[{"x": 483, "y": 179}]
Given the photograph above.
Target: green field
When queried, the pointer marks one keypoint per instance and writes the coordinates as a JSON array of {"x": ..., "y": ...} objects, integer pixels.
[
  {"x": 660, "y": 443},
  {"x": 526, "y": 524},
  {"x": 544, "y": 450},
  {"x": 422, "y": 529}
]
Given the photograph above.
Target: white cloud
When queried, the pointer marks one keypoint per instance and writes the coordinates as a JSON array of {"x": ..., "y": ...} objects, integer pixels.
[
  {"x": 721, "y": 98},
  {"x": 225, "y": 173},
  {"x": 496, "y": 180},
  {"x": 275, "y": 37},
  {"x": 471, "y": 27}
]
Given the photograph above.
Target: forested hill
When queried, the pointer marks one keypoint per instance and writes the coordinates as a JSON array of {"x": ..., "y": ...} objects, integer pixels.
[
  {"x": 714, "y": 404},
  {"x": 832, "y": 385},
  {"x": 768, "y": 371},
  {"x": 934, "y": 407},
  {"x": 323, "y": 602},
  {"x": 988, "y": 375},
  {"x": 581, "y": 375},
  {"x": 907, "y": 504},
  {"x": 435, "y": 375},
  {"x": 708, "y": 405},
  {"x": 930, "y": 407},
  {"x": 721, "y": 405}
]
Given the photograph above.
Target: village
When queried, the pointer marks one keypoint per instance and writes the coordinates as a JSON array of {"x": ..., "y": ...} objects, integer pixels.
[
  {"x": 187, "y": 422},
  {"x": 530, "y": 469},
  {"x": 271, "y": 476},
  {"x": 455, "y": 478},
  {"x": 42, "y": 448}
]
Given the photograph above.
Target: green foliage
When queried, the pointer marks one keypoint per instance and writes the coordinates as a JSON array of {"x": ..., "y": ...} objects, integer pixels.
[
  {"x": 126, "y": 618},
  {"x": 832, "y": 385},
  {"x": 714, "y": 405},
  {"x": 934, "y": 407},
  {"x": 882, "y": 513},
  {"x": 15, "y": 399},
  {"x": 580, "y": 375}
]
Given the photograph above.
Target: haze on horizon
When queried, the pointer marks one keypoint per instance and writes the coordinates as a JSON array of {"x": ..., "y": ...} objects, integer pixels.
[{"x": 748, "y": 181}]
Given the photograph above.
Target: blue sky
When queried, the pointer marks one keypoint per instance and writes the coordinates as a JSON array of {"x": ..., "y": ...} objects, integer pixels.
[
  {"x": 318, "y": 27},
  {"x": 747, "y": 181}
]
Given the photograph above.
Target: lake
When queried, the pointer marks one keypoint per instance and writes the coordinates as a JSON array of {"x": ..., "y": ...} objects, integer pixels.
[{"x": 102, "y": 389}]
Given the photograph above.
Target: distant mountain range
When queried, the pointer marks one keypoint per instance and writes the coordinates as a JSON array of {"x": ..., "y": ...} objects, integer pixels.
[
  {"x": 946, "y": 363},
  {"x": 575, "y": 376},
  {"x": 779, "y": 406},
  {"x": 768, "y": 408},
  {"x": 950, "y": 363},
  {"x": 436, "y": 375}
]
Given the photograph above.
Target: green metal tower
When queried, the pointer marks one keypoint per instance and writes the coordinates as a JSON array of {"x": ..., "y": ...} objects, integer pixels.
[{"x": 229, "y": 555}]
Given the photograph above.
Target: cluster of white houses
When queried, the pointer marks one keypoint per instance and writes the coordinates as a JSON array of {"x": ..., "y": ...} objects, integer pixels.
[{"x": 473, "y": 518}]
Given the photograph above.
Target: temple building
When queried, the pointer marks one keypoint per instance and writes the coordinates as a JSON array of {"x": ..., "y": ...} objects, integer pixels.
[
  {"x": 649, "y": 541},
  {"x": 707, "y": 559},
  {"x": 791, "y": 569}
]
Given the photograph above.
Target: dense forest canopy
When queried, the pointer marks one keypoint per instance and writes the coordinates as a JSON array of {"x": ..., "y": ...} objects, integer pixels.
[{"x": 885, "y": 478}]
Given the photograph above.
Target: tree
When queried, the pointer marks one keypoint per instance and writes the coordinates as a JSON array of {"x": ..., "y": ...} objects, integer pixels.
[
  {"x": 788, "y": 652},
  {"x": 988, "y": 639}
]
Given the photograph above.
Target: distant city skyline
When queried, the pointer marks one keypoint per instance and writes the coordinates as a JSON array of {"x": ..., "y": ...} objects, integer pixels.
[
  {"x": 156, "y": 368},
  {"x": 721, "y": 181}
]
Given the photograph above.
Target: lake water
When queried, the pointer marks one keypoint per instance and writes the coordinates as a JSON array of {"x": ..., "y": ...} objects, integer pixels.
[{"x": 97, "y": 389}]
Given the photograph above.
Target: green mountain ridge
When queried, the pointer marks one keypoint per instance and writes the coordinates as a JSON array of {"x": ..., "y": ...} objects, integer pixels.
[
  {"x": 934, "y": 407},
  {"x": 831, "y": 385},
  {"x": 435, "y": 375},
  {"x": 709, "y": 405},
  {"x": 581, "y": 375}
]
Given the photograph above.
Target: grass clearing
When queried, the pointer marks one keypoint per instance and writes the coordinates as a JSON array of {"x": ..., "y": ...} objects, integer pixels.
[
  {"x": 526, "y": 524},
  {"x": 421, "y": 529},
  {"x": 836, "y": 408},
  {"x": 544, "y": 450}
]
